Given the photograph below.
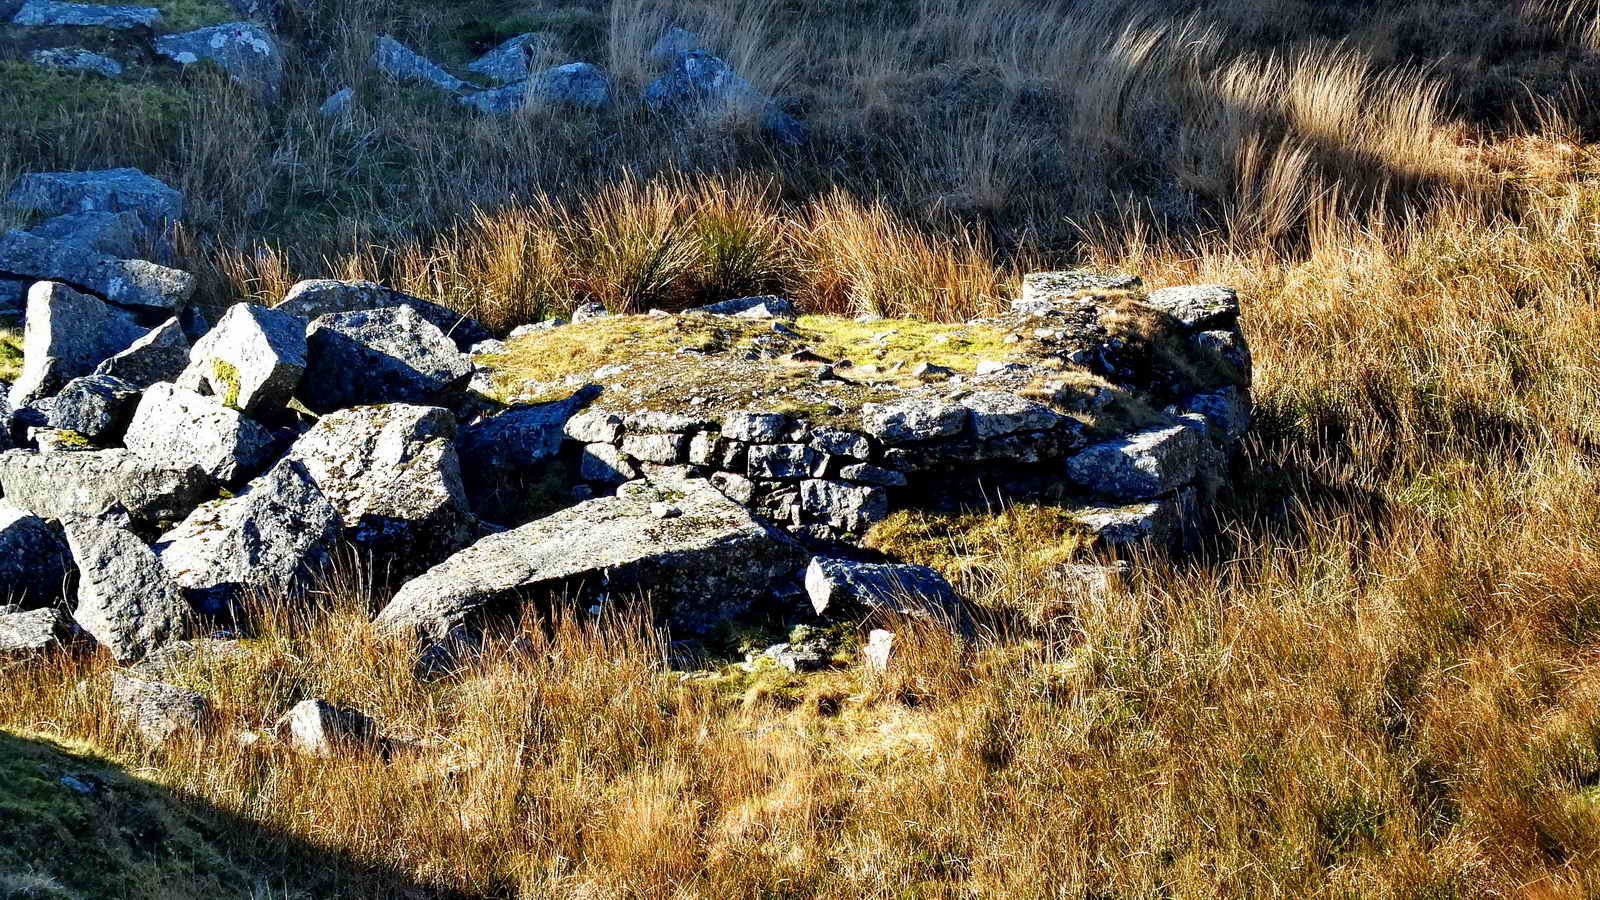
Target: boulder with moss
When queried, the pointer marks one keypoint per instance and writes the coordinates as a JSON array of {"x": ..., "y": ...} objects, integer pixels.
[
  {"x": 389, "y": 355},
  {"x": 252, "y": 360},
  {"x": 66, "y": 334}
]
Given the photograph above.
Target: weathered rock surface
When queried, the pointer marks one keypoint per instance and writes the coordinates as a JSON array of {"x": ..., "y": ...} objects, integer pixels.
[
  {"x": 106, "y": 190},
  {"x": 277, "y": 533},
  {"x": 393, "y": 474},
  {"x": 708, "y": 563},
  {"x": 699, "y": 80},
  {"x": 579, "y": 84},
  {"x": 674, "y": 43},
  {"x": 100, "y": 483},
  {"x": 77, "y": 60},
  {"x": 401, "y": 63},
  {"x": 842, "y": 587},
  {"x": 242, "y": 49},
  {"x": 509, "y": 61},
  {"x": 323, "y": 296},
  {"x": 97, "y": 407},
  {"x": 496, "y": 451},
  {"x": 850, "y": 508},
  {"x": 134, "y": 283},
  {"x": 319, "y": 728},
  {"x": 763, "y": 307},
  {"x": 158, "y": 711},
  {"x": 34, "y": 561},
  {"x": 1044, "y": 291},
  {"x": 914, "y": 419},
  {"x": 125, "y": 601},
  {"x": 33, "y": 631},
  {"x": 1152, "y": 522},
  {"x": 176, "y": 427},
  {"x": 1140, "y": 466},
  {"x": 66, "y": 334},
  {"x": 160, "y": 355},
  {"x": 252, "y": 360},
  {"x": 50, "y": 13},
  {"x": 389, "y": 355},
  {"x": 112, "y": 233},
  {"x": 338, "y": 105},
  {"x": 1198, "y": 306}
]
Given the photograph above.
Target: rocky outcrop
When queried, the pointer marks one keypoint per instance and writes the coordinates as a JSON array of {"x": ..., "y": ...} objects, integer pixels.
[
  {"x": 697, "y": 556},
  {"x": 126, "y": 602},
  {"x": 252, "y": 360},
  {"x": 389, "y": 355},
  {"x": 34, "y": 561},
  {"x": 175, "y": 427},
  {"x": 273, "y": 537},
  {"x": 244, "y": 50},
  {"x": 66, "y": 334},
  {"x": 107, "y": 190},
  {"x": 101, "y": 483},
  {"x": 393, "y": 474}
]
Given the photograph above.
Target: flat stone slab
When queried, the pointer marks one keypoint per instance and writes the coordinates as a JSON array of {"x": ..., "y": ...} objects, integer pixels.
[
  {"x": 77, "y": 60},
  {"x": 708, "y": 562},
  {"x": 100, "y": 482},
  {"x": 317, "y": 297},
  {"x": 49, "y": 13},
  {"x": 401, "y": 63},
  {"x": 31, "y": 632},
  {"x": 244, "y": 50},
  {"x": 103, "y": 190},
  {"x": 508, "y": 62},
  {"x": 1140, "y": 466},
  {"x": 135, "y": 283}
]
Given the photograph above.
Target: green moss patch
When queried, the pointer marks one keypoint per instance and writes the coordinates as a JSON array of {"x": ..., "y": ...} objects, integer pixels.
[
  {"x": 10, "y": 354},
  {"x": 957, "y": 544}
]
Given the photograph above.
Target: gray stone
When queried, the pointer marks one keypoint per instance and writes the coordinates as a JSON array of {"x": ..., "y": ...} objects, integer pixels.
[
  {"x": 700, "y": 568},
  {"x": 401, "y": 63},
  {"x": 97, "y": 407},
  {"x": 158, "y": 711},
  {"x": 756, "y": 427},
  {"x": 173, "y": 427},
  {"x": 111, "y": 233},
  {"x": 13, "y": 294},
  {"x": 706, "y": 449},
  {"x": 846, "y": 507},
  {"x": 273, "y": 537},
  {"x": 1229, "y": 344},
  {"x": 676, "y": 42},
  {"x": 393, "y": 474},
  {"x": 765, "y": 307},
  {"x": 488, "y": 348},
  {"x": 251, "y": 361},
  {"x": 838, "y": 442},
  {"x": 866, "y": 473},
  {"x": 322, "y": 296},
  {"x": 77, "y": 60},
  {"x": 1198, "y": 306},
  {"x": 594, "y": 426},
  {"x": 389, "y": 355},
  {"x": 52, "y": 14},
  {"x": 998, "y": 413},
  {"x": 579, "y": 84},
  {"x": 737, "y": 488},
  {"x": 913, "y": 419},
  {"x": 516, "y": 442},
  {"x": 101, "y": 483},
  {"x": 107, "y": 190},
  {"x": 135, "y": 283},
  {"x": 605, "y": 464},
  {"x": 66, "y": 334},
  {"x": 784, "y": 462},
  {"x": 1139, "y": 466},
  {"x": 32, "y": 632},
  {"x": 1153, "y": 522},
  {"x": 658, "y": 422},
  {"x": 878, "y": 651},
  {"x": 698, "y": 78},
  {"x": 126, "y": 602},
  {"x": 1044, "y": 291},
  {"x": 242, "y": 49},
  {"x": 319, "y": 728},
  {"x": 34, "y": 561},
  {"x": 58, "y": 440},
  {"x": 593, "y": 309},
  {"x": 842, "y": 587},
  {"x": 160, "y": 355},
  {"x": 663, "y": 449},
  {"x": 510, "y": 61},
  {"x": 1227, "y": 411},
  {"x": 338, "y": 105}
]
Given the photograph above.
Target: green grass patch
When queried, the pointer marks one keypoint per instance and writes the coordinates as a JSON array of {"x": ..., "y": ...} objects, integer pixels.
[
  {"x": 956, "y": 543},
  {"x": 10, "y": 354}
]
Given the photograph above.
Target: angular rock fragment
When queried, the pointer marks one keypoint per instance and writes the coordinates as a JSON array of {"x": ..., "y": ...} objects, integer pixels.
[
  {"x": 1227, "y": 411},
  {"x": 101, "y": 483},
  {"x": 515, "y": 442},
  {"x": 34, "y": 561},
  {"x": 318, "y": 728},
  {"x": 509, "y": 61},
  {"x": 838, "y": 442},
  {"x": 866, "y": 473},
  {"x": 676, "y": 42},
  {"x": 756, "y": 427},
  {"x": 764, "y": 307},
  {"x": 1153, "y": 522},
  {"x": 322, "y": 296},
  {"x": 126, "y": 602},
  {"x": 32, "y": 632},
  {"x": 1198, "y": 306},
  {"x": 393, "y": 474},
  {"x": 784, "y": 462},
  {"x": 53, "y": 14},
  {"x": 401, "y": 63},
  {"x": 1043, "y": 291},
  {"x": 105, "y": 190},
  {"x": 160, "y": 355},
  {"x": 842, "y": 587},
  {"x": 274, "y": 536},
  {"x": 175, "y": 427},
  {"x": 878, "y": 651},
  {"x": 913, "y": 419},
  {"x": 998, "y": 413},
  {"x": 661, "y": 449},
  {"x": 112, "y": 233},
  {"x": 242, "y": 49},
  {"x": 605, "y": 464},
  {"x": 251, "y": 361},
  {"x": 708, "y": 563},
  {"x": 580, "y": 85},
  {"x": 134, "y": 283},
  {"x": 66, "y": 334},
  {"x": 338, "y": 105},
  {"x": 96, "y": 407},
  {"x": 389, "y": 355},
  {"x": 1139, "y": 466},
  {"x": 158, "y": 711},
  {"x": 846, "y": 507}
]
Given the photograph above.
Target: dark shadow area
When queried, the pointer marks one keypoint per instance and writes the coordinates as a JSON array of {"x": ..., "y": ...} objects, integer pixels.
[{"x": 75, "y": 826}]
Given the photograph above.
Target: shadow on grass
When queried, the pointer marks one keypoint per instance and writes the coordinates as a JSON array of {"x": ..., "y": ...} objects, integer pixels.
[{"x": 76, "y": 826}]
